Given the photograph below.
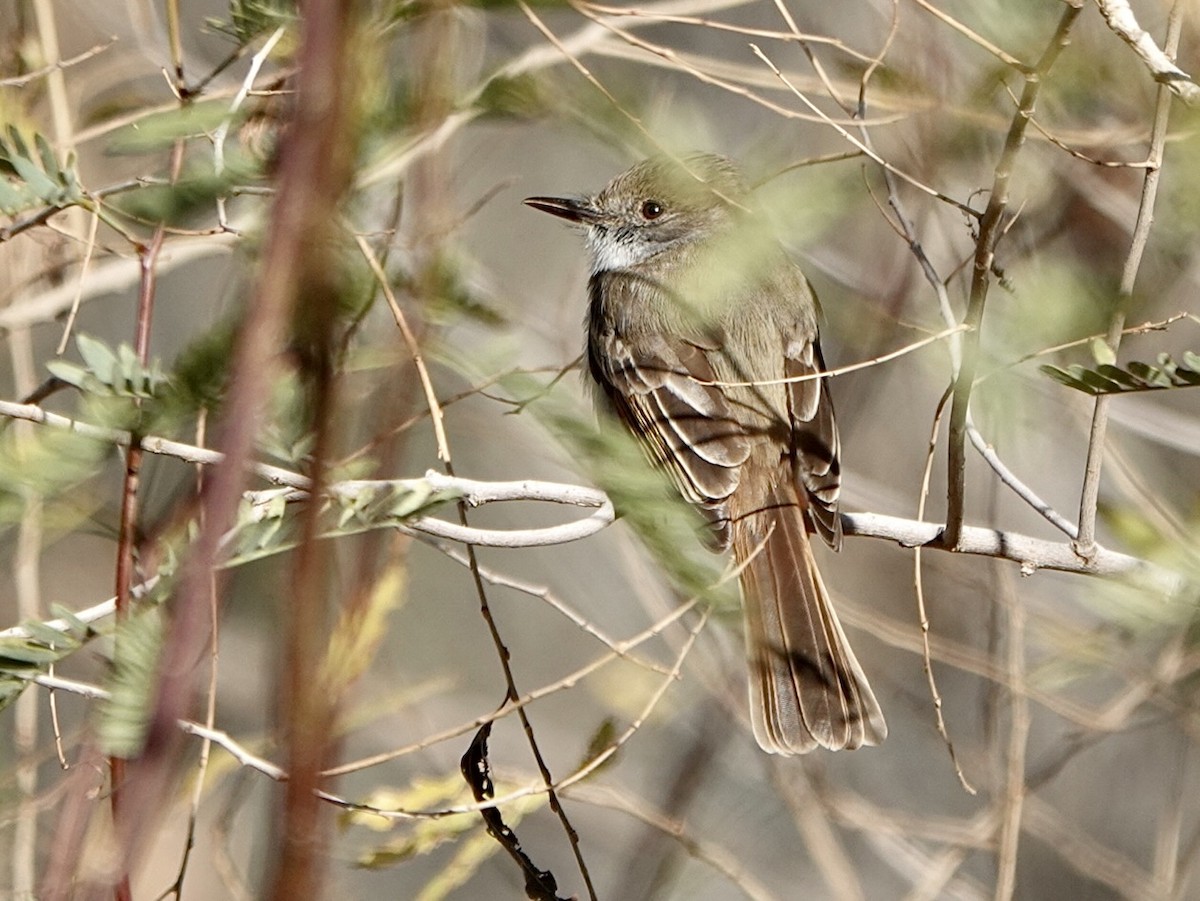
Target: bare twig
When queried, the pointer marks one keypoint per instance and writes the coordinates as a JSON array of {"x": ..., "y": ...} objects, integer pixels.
[
  {"x": 1012, "y": 803},
  {"x": 84, "y": 265},
  {"x": 1160, "y": 62},
  {"x": 473, "y": 492},
  {"x": 19, "y": 81},
  {"x": 856, "y": 142},
  {"x": 648, "y": 15},
  {"x": 273, "y": 771},
  {"x": 547, "y": 595},
  {"x": 922, "y": 614},
  {"x": 693, "y": 841},
  {"x": 128, "y": 525},
  {"x": 619, "y": 650},
  {"x": 851, "y": 367},
  {"x": 414, "y": 347},
  {"x": 222, "y": 131},
  {"x": 1031, "y": 554},
  {"x": 1090, "y": 493},
  {"x": 1009, "y": 478},
  {"x": 991, "y": 228},
  {"x": 680, "y": 62},
  {"x": 1007, "y": 58}
]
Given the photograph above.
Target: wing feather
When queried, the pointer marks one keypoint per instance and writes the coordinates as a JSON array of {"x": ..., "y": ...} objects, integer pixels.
[
  {"x": 656, "y": 383},
  {"x": 817, "y": 446}
]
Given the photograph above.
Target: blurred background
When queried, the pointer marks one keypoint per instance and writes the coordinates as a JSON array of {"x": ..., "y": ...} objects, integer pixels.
[{"x": 154, "y": 197}]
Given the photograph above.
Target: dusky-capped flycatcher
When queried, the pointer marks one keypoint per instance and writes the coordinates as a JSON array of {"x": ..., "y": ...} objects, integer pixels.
[{"x": 696, "y": 319}]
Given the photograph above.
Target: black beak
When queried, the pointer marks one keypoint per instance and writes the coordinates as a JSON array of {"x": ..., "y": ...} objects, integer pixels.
[{"x": 573, "y": 209}]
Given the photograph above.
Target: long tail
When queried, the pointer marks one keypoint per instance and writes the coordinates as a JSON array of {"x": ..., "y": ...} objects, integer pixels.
[{"x": 806, "y": 687}]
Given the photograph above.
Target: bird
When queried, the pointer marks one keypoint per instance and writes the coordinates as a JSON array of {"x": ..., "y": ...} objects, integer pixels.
[{"x": 702, "y": 337}]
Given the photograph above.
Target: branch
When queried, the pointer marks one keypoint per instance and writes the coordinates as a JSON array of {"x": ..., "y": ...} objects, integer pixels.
[
  {"x": 991, "y": 229},
  {"x": 19, "y": 81},
  {"x": 1124, "y": 24},
  {"x": 1031, "y": 553},
  {"x": 1089, "y": 495},
  {"x": 859, "y": 144},
  {"x": 474, "y": 494}
]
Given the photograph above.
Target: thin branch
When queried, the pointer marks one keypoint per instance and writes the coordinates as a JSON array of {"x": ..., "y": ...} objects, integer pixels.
[
  {"x": 724, "y": 861},
  {"x": 473, "y": 492},
  {"x": 991, "y": 227},
  {"x": 84, "y": 266},
  {"x": 19, "y": 81},
  {"x": 1157, "y": 325},
  {"x": 128, "y": 525},
  {"x": 1090, "y": 492},
  {"x": 414, "y": 347},
  {"x": 877, "y": 61},
  {"x": 590, "y": 38},
  {"x": 619, "y": 650},
  {"x": 649, "y": 16},
  {"x": 922, "y": 612},
  {"x": 851, "y": 367},
  {"x": 219, "y": 135},
  {"x": 1079, "y": 155},
  {"x": 919, "y": 185},
  {"x": 1018, "y": 741},
  {"x": 1007, "y": 58},
  {"x": 546, "y": 595},
  {"x": 1161, "y": 63},
  {"x": 1032, "y": 554},
  {"x": 1009, "y": 478},
  {"x": 188, "y": 453},
  {"x": 257, "y": 763},
  {"x": 680, "y": 62}
]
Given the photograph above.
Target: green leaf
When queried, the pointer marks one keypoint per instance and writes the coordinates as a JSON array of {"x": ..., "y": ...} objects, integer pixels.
[
  {"x": 10, "y": 689},
  {"x": 22, "y": 658},
  {"x": 27, "y": 168},
  {"x": 1165, "y": 373},
  {"x": 160, "y": 130},
  {"x": 35, "y": 178},
  {"x": 107, "y": 372},
  {"x": 1101, "y": 352},
  {"x": 72, "y": 374},
  {"x": 12, "y": 201},
  {"x": 97, "y": 357},
  {"x": 46, "y": 154},
  {"x": 24, "y": 651},
  {"x": 48, "y": 635},
  {"x": 75, "y": 625}
]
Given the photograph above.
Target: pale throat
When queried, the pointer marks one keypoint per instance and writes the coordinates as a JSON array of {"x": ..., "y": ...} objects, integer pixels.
[{"x": 612, "y": 253}]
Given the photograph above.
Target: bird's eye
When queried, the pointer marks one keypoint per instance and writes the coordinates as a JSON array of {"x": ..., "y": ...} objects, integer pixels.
[{"x": 651, "y": 209}]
